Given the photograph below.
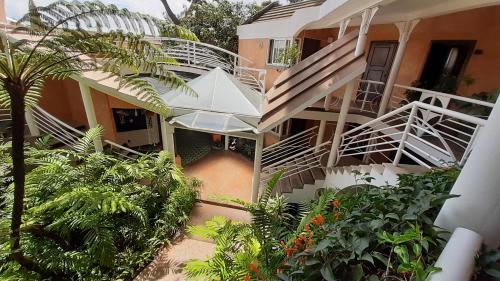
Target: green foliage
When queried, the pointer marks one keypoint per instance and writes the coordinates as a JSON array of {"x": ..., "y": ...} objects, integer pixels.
[
  {"x": 290, "y": 56},
  {"x": 215, "y": 22},
  {"x": 246, "y": 250},
  {"x": 62, "y": 47},
  {"x": 488, "y": 264},
  {"x": 91, "y": 216},
  {"x": 373, "y": 233}
]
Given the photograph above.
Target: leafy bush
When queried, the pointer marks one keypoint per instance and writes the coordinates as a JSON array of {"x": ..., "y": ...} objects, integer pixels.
[
  {"x": 359, "y": 233},
  {"x": 91, "y": 216}
]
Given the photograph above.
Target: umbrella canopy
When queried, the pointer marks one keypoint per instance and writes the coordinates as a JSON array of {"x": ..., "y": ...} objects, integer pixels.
[
  {"x": 212, "y": 122},
  {"x": 217, "y": 91}
]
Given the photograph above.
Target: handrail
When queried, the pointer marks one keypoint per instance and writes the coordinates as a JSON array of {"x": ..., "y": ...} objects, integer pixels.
[
  {"x": 290, "y": 138},
  {"x": 453, "y": 97},
  {"x": 416, "y": 142},
  {"x": 459, "y": 115},
  {"x": 66, "y": 137},
  {"x": 198, "y": 43},
  {"x": 298, "y": 154}
]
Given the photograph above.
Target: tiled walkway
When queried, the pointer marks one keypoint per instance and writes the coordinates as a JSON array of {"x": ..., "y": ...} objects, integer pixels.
[
  {"x": 223, "y": 173},
  {"x": 167, "y": 265}
]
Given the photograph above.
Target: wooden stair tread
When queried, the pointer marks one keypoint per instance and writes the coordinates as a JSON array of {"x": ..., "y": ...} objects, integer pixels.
[
  {"x": 317, "y": 173},
  {"x": 296, "y": 182},
  {"x": 306, "y": 176}
]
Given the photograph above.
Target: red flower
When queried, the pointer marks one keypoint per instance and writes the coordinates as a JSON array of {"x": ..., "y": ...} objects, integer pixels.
[{"x": 247, "y": 277}]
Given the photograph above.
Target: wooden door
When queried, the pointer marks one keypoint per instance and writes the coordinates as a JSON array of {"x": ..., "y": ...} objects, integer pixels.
[
  {"x": 379, "y": 63},
  {"x": 379, "y": 60}
]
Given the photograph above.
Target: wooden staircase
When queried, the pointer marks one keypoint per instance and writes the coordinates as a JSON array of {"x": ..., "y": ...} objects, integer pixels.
[{"x": 312, "y": 79}]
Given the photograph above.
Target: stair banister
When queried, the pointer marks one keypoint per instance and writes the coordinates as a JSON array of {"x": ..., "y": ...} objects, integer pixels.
[
  {"x": 290, "y": 138},
  {"x": 297, "y": 155}
]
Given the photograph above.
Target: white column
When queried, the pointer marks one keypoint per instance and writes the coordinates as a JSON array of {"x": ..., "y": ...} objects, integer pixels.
[
  {"x": 259, "y": 145},
  {"x": 321, "y": 134},
  {"x": 366, "y": 18},
  {"x": 90, "y": 112},
  {"x": 30, "y": 120},
  {"x": 478, "y": 207},
  {"x": 405, "y": 29},
  {"x": 167, "y": 136},
  {"x": 226, "y": 142},
  {"x": 344, "y": 110}
]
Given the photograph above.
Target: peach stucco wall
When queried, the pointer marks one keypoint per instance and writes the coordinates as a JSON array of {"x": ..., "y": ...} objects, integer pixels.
[
  {"x": 256, "y": 50},
  {"x": 482, "y": 25},
  {"x": 63, "y": 100}
]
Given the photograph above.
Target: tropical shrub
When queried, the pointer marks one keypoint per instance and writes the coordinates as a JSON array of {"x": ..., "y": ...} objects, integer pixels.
[
  {"x": 92, "y": 216},
  {"x": 360, "y": 233},
  {"x": 372, "y": 233}
]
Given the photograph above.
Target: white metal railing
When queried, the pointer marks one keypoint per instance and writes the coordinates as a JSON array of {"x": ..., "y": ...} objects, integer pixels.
[
  {"x": 198, "y": 57},
  {"x": 297, "y": 163},
  {"x": 289, "y": 146},
  {"x": 368, "y": 95},
  {"x": 69, "y": 136},
  {"x": 405, "y": 132}
]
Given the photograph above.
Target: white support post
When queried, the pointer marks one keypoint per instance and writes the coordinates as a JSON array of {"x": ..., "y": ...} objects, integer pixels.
[
  {"x": 404, "y": 137},
  {"x": 321, "y": 134},
  {"x": 167, "y": 136},
  {"x": 478, "y": 207},
  {"x": 30, "y": 120},
  {"x": 259, "y": 145},
  {"x": 366, "y": 18},
  {"x": 346, "y": 103},
  {"x": 342, "y": 29},
  {"x": 405, "y": 29},
  {"x": 90, "y": 112},
  {"x": 226, "y": 142}
]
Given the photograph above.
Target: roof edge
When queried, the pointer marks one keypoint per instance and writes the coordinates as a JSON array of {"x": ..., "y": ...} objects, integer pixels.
[{"x": 261, "y": 12}]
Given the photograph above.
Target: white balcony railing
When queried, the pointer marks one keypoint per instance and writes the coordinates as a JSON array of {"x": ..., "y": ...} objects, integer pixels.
[
  {"x": 406, "y": 132},
  {"x": 197, "y": 57}
]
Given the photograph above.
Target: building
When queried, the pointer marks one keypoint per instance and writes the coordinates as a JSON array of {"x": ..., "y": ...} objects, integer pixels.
[{"x": 382, "y": 87}]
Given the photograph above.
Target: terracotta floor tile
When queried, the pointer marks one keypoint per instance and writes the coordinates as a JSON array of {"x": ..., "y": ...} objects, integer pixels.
[{"x": 223, "y": 173}]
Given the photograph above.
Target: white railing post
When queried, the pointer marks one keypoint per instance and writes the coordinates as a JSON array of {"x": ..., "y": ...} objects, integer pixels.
[
  {"x": 346, "y": 103},
  {"x": 30, "y": 120},
  {"x": 90, "y": 112},
  {"x": 404, "y": 136},
  {"x": 226, "y": 142},
  {"x": 257, "y": 163},
  {"x": 405, "y": 29}
]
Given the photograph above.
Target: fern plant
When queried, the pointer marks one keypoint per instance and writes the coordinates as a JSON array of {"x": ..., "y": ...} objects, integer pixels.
[
  {"x": 247, "y": 250},
  {"x": 91, "y": 216},
  {"x": 59, "y": 45}
]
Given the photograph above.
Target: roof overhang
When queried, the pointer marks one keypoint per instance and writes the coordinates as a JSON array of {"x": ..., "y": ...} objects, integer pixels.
[{"x": 331, "y": 12}]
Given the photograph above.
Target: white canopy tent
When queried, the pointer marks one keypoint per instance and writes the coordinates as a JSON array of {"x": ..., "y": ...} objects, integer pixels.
[{"x": 223, "y": 104}]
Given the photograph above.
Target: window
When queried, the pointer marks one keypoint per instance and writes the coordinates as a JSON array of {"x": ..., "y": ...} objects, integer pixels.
[
  {"x": 130, "y": 119},
  {"x": 277, "y": 48}
]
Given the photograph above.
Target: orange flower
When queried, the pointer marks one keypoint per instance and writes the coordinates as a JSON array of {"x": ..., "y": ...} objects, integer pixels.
[
  {"x": 318, "y": 220},
  {"x": 308, "y": 228},
  {"x": 336, "y": 203},
  {"x": 254, "y": 268},
  {"x": 247, "y": 277}
]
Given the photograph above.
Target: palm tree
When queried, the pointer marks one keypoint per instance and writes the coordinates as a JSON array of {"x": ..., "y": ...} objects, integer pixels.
[{"x": 59, "y": 47}]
